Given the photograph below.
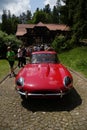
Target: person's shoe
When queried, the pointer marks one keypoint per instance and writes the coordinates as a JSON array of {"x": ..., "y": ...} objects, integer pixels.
[
  {"x": 14, "y": 74},
  {"x": 11, "y": 75}
]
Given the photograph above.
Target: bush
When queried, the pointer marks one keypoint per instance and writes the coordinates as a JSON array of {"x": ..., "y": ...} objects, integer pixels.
[
  {"x": 59, "y": 43},
  {"x": 6, "y": 40},
  {"x": 72, "y": 42}
]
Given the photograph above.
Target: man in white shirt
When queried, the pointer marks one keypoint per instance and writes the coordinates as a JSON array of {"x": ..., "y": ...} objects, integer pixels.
[{"x": 20, "y": 57}]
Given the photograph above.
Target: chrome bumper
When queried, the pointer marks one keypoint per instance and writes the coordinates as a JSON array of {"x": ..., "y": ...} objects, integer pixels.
[{"x": 61, "y": 94}]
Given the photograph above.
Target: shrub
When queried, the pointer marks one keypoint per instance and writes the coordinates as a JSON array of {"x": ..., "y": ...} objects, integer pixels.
[
  {"x": 59, "y": 43},
  {"x": 6, "y": 40},
  {"x": 72, "y": 42}
]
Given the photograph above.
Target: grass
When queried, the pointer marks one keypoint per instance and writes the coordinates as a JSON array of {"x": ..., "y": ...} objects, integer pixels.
[
  {"x": 76, "y": 59},
  {"x": 4, "y": 68}
]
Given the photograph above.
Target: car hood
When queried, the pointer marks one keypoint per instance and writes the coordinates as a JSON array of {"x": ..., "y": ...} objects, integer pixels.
[{"x": 44, "y": 76}]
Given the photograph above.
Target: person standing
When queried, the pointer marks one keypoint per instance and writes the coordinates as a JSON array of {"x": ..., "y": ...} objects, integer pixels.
[
  {"x": 11, "y": 59},
  {"x": 24, "y": 56},
  {"x": 19, "y": 54}
]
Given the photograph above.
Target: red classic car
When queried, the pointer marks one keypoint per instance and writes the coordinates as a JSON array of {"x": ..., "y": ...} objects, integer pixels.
[{"x": 44, "y": 76}]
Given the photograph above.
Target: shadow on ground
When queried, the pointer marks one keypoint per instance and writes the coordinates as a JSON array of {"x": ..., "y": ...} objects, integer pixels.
[{"x": 67, "y": 103}]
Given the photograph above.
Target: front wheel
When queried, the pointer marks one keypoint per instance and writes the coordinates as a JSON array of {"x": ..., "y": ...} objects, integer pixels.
[{"x": 23, "y": 97}]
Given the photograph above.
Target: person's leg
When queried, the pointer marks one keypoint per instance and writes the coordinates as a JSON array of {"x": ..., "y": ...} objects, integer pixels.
[
  {"x": 19, "y": 62},
  {"x": 22, "y": 61},
  {"x": 12, "y": 68}
]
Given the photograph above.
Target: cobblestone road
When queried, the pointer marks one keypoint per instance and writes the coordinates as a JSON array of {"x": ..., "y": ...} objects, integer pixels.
[{"x": 69, "y": 113}]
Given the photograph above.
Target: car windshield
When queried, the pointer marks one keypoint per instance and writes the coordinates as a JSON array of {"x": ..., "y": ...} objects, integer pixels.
[{"x": 44, "y": 58}]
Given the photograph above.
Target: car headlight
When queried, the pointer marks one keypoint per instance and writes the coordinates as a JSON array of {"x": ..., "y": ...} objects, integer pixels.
[
  {"x": 20, "y": 82},
  {"x": 67, "y": 81}
]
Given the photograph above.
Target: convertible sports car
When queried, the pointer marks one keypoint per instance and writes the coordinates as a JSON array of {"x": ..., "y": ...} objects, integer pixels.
[{"x": 44, "y": 76}]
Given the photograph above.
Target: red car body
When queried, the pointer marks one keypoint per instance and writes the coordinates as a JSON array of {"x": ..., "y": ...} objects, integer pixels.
[{"x": 44, "y": 76}]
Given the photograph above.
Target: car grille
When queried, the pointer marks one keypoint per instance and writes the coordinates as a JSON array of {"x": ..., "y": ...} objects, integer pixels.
[{"x": 44, "y": 92}]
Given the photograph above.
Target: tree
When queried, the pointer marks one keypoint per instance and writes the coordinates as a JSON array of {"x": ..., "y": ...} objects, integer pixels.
[
  {"x": 55, "y": 15},
  {"x": 48, "y": 13},
  {"x": 63, "y": 15},
  {"x": 15, "y": 21},
  {"x": 76, "y": 17},
  {"x": 80, "y": 19},
  {"x": 39, "y": 16},
  {"x": 47, "y": 9},
  {"x": 28, "y": 16},
  {"x": 4, "y": 21},
  {"x": 9, "y": 22}
]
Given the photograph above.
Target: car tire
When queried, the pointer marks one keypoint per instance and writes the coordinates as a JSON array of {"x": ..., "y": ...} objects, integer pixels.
[{"x": 23, "y": 97}]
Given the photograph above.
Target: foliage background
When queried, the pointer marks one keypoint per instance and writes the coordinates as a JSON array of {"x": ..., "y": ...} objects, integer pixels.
[
  {"x": 8, "y": 40},
  {"x": 72, "y": 13}
]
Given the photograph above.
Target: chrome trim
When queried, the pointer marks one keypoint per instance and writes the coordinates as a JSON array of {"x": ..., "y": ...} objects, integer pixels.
[{"x": 61, "y": 94}]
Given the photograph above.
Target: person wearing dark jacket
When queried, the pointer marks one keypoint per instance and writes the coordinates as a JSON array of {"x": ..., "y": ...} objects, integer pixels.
[{"x": 24, "y": 56}]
